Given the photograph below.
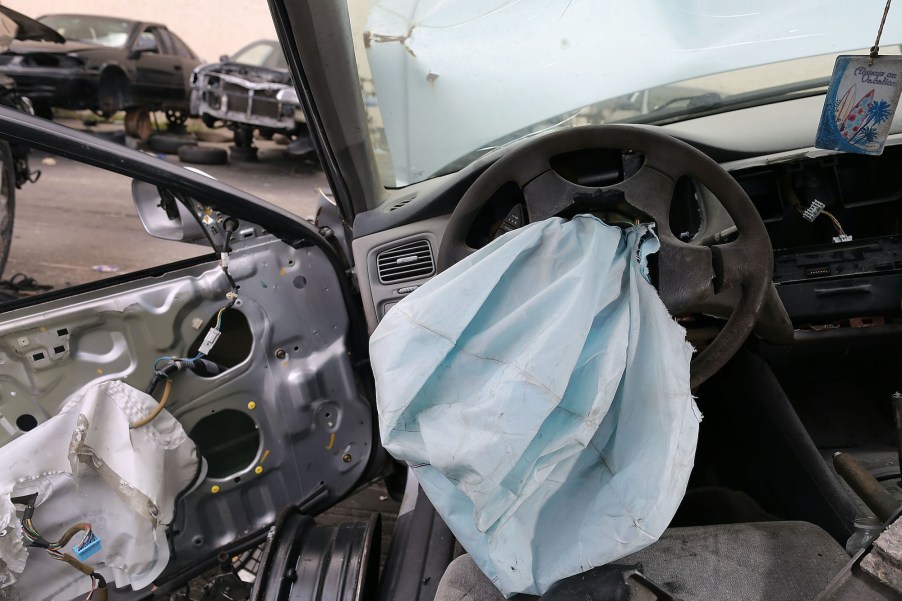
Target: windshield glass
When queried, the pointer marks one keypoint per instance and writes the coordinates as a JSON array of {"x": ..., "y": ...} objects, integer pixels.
[
  {"x": 94, "y": 30},
  {"x": 444, "y": 82},
  {"x": 261, "y": 54}
]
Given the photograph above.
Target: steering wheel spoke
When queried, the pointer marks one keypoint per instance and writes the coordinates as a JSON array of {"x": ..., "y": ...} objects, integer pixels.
[
  {"x": 548, "y": 195},
  {"x": 732, "y": 265},
  {"x": 685, "y": 275},
  {"x": 650, "y": 192}
]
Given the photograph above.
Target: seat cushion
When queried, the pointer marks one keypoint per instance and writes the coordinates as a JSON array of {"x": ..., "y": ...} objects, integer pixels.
[{"x": 773, "y": 561}]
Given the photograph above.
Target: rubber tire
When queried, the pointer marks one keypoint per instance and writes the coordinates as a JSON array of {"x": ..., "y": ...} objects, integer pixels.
[
  {"x": 217, "y": 135},
  {"x": 245, "y": 154},
  {"x": 168, "y": 143},
  {"x": 7, "y": 202},
  {"x": 203, "y": 155}
]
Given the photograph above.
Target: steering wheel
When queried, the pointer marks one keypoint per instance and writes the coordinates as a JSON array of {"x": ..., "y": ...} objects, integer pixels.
[{"x": 688, "y": 275}]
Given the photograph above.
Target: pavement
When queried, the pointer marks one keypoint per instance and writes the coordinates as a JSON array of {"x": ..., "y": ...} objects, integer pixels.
[{"x": 77, "y": 224}]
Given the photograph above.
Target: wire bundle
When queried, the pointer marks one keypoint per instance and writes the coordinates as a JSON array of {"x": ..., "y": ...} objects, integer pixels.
[
  {"x": 165, "y": 367},
  {"x": 33, "y": 538}
]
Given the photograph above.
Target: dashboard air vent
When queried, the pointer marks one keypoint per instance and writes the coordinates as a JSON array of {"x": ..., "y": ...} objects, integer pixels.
[
  {"x": 402, "y": 201},
  {"x": 407, "y": 261}
]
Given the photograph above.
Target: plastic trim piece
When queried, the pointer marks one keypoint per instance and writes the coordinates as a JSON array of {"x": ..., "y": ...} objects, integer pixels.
[
  {"x": 422, "y": 547},
  {"x": 318, "y": 563}
]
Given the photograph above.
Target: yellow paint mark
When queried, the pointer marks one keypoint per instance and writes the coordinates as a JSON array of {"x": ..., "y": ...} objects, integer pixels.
[
  {"x": 214, "y": 489},
  {"x": 252, "y": 405},
  {"x": 331, "y": 441},
  {"x": 284, "y": 363},
  {"x": 258, "y": 470},
  {"x": 282, "y": 271},
  {"x": 100, "y": 371},
  {"x": 43, "y": 329},
  {"x": 265, "y": 455}
]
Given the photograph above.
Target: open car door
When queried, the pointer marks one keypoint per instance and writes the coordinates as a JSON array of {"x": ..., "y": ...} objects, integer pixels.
[{"x": 282, "y": 411}]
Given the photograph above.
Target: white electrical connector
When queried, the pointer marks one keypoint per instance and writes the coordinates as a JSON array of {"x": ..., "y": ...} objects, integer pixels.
[
  {"x": 843, "y": 238},
  {"x": 209, "y": 340},
  {"x": 813, "y": 210}
]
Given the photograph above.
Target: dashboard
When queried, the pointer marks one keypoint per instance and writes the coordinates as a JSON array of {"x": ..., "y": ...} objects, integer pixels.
[
  {"x": 834, "y": 221},
  {"x": 841, "y": 261}
]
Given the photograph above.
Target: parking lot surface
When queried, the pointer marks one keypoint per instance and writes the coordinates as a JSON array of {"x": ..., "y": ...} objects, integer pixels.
[{"x": 77, "y": 223}]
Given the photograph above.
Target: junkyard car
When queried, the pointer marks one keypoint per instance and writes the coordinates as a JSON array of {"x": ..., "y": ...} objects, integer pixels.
[
  {"x": 441, "y": 126},
  {"x": 250, "y": 90},
  {"x": 16, "y": 171},
  {"x": 106, "y": 64}
]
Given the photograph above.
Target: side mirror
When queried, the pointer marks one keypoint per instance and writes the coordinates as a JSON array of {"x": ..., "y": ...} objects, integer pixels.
[
  {"x": 165, "y": 219},
  {"x": 135, "y": 54},
  {"x": 142, "y": 45}
]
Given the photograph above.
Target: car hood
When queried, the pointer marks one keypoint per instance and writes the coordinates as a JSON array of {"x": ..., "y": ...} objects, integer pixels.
[
  {"x": 29, "y": 47},
  {"x": 249, "y": 72},
  {"x": 26, "y": 28}
]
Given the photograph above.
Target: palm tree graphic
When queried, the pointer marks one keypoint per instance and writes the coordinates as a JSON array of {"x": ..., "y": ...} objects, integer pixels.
[{"x": 879, "y": 112}]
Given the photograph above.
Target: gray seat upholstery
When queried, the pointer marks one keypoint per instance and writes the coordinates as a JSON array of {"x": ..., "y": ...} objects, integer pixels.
[{"x": 773, "y": 561}]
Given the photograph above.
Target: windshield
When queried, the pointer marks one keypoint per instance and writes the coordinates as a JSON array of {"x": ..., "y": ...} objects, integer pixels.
[
  {"x": 444, "y": 82},
  {"x": 94, "y": 30},
  {"x": 261, "y": 54}
]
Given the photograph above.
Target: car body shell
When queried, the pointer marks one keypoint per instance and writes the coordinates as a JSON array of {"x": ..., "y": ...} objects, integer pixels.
[
  {"x": 247, "y": 95},
  {"x": 27, "y": 29},
  {"x": 77, "y": 75}
]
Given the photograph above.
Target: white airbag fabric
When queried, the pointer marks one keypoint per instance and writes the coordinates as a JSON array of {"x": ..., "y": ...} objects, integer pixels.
[
  {"x": 540, "y": 391},
  {"x": 87, "y": 465}
]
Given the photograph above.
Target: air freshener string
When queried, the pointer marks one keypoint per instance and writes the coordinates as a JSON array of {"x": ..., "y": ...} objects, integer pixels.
[{"x": 875, "y": 49}]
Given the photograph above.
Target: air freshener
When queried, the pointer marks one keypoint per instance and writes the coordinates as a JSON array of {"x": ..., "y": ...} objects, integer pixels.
[{"x": 860, "y": 104}]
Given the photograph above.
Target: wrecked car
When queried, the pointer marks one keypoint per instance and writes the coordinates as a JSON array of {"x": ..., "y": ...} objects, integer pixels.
[
  {"x": 226, "y": 401},
  {"x": 247, "y": 91},
  {"x": 14, "y": 157},
  {"x": 105, "y": 64}
]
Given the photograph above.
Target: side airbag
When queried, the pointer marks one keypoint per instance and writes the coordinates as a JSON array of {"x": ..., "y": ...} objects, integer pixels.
[{"x": 86, "y": 465}]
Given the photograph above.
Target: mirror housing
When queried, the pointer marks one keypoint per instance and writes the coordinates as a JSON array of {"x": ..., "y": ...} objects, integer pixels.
[
  {"x": 141, "y": 46},
  {"x": 165, "y": 220}
]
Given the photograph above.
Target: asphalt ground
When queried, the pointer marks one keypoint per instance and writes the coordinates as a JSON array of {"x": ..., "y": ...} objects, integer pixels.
[{"x": 77, "y": 224}]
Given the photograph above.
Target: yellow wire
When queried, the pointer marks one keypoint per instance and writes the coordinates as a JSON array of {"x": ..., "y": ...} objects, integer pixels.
[
  {"x": 835, "y": 221},
  {"x": 156, "y": 411},
  {"x": 836, "y": 224}
]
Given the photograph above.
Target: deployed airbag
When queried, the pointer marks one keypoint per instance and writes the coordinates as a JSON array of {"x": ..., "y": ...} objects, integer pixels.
[
  {"x": 86, "y": 465},
  {"x": 540, "y": 391}
]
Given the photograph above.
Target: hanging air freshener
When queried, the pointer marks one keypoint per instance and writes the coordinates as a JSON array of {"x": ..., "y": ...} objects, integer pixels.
[{"x": 861, "y": 101}]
